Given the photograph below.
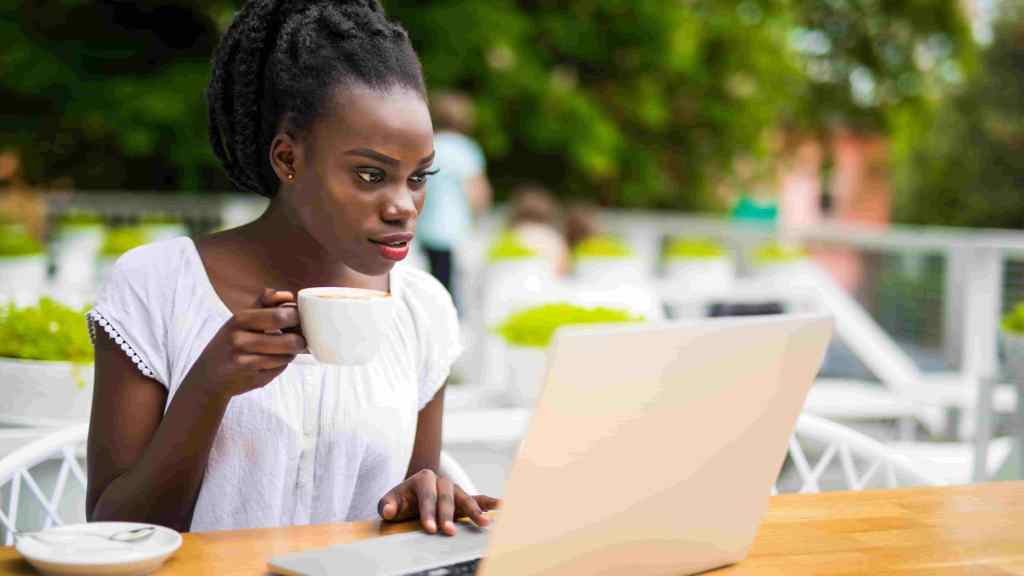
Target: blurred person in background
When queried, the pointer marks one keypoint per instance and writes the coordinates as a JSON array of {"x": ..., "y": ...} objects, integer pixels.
[
  {"x": 581, "y": 222},
  {"x": 459, "y": 191},
  {"x": 18, "y": 204},
  {"x": 535, "y": 216}
]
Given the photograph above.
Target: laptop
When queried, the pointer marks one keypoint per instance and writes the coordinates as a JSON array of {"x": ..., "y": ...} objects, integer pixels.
[{"x": 653, "y": 449}]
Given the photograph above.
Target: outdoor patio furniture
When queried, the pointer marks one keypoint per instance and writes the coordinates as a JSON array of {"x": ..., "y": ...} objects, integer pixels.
[
  {"x": 17, "y": 469},
  {"x": 20, "y": 473},
  {"x": 818, "y": 446}
]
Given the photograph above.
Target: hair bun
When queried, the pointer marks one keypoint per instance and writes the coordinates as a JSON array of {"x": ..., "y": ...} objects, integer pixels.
[{"x": 280, "y": 59}]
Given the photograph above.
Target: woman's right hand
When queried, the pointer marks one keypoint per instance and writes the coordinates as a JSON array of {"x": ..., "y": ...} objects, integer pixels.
[{"x": 253, "y": 347}]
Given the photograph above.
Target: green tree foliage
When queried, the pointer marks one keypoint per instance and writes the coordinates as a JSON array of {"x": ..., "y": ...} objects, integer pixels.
[
  {"x": 109, "y": 94},
  {"x": 626, "y": 102},
  {"x": 963, "y": 164},
  {"x": 629, "y": 102},
  {"x": 868, "y": 61}
]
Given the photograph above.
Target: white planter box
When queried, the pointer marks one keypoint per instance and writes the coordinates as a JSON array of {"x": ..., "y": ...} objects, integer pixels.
[
  {"x": 700, "y": 274},
  {"x": 1013, "y": 345},
  {"x": 510, "y": 285},
  {"x": 526, "y": 371},
  {"x": 74, "y": 255},
  {"x": 786, "y": 274},
  {"x": 44, "y": 393},
  {"x": 23, "y": 278},
  {"x": 609, "y": 271}
]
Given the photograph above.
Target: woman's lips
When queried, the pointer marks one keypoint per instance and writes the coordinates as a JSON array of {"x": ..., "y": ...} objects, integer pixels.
[{"x": 392, "y": 250}]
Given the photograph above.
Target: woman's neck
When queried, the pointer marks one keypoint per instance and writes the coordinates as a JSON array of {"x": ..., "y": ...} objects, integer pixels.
[{"x": 294, "y": 259}]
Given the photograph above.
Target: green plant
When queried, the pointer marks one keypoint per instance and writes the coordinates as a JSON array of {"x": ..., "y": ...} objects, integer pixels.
[
  {"x": 508, "y": 246},
  {"x": 774, "y": 253},
  {"x": 80, "y": 219},
  {"x": 121, "y": 240},
  {"x": 1013, "y": 322},
  {"x": 534, "y": 327},
  {"x": 960, "y": 164},
  {"x": 638, "y": 103},
  {"x": 47, "y": 331},
  {"x": 15, "y": 241},
  {"x": 602, "y": 247},
  {"x": 693, "y": 248}
]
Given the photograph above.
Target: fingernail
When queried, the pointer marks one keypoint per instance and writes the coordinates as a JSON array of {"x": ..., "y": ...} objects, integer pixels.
[
  {"x": 431, "y": 526},
  {"x": 450, "y": 526}
]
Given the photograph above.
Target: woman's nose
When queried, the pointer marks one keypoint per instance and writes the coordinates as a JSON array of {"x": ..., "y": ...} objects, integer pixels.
[{"x": 400, "y": 207}]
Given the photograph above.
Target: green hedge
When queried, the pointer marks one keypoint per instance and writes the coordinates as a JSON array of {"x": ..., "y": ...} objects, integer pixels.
[
  {"x": 48, "y": 331},
  {"x": 534, "y": 327}
]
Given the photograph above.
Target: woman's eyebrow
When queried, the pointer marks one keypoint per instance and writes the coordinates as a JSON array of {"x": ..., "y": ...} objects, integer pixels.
[
  {"x": 384, "y": 158},
  {"x": 373, "y": 155}
]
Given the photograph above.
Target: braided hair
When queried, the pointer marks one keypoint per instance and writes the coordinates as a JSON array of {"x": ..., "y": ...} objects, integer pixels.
[{"x": 278, "y": 62}]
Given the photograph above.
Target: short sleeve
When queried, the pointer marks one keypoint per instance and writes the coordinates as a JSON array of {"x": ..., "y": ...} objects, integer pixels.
[
  {"x": 129, "y": 308},
  {"x": 437, "y": 329}
]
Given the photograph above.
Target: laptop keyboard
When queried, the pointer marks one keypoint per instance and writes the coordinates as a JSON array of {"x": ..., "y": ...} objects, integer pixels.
[{"x": 467, "y": 568}]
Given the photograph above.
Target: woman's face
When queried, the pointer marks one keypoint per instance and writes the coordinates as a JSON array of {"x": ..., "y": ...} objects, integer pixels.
[{"x": 360, "y": 176}]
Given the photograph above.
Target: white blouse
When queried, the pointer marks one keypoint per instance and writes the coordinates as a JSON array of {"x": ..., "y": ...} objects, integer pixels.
[{"x": 319, "y": 443}]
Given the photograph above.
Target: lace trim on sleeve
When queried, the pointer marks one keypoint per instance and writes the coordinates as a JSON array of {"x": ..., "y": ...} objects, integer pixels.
[{"x": 97, "y": 318}]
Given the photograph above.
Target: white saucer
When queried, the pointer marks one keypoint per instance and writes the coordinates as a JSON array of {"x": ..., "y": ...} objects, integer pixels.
[{"x": 75, "y": 550}]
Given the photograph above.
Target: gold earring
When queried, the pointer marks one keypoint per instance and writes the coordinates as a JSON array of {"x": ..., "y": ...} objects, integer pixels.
[{"x": 291, "y": 176}]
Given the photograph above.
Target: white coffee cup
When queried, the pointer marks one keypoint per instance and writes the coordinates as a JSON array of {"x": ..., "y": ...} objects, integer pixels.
[{"x": 345, "y": 326}]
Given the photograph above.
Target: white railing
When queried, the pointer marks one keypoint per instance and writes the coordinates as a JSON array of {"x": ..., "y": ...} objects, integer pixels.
[
  {"x": 973, "y": 290},
  {"x": 975, "y": 277}
]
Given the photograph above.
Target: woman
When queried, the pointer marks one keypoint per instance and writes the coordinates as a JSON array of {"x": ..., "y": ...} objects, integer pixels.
[{"x": 207, "y": 413}]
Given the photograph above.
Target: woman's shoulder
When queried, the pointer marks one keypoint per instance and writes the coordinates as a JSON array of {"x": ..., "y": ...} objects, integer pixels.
[
  {"x": 155, "y": 259},
  {"x": 151, "y": 273},
  {"x": 137, "y": 302}
]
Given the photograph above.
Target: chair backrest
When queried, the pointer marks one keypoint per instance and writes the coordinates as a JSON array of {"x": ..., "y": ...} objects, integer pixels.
[
  {"x": 844, "y": 460},
  {"x": 16, "y": 471}
]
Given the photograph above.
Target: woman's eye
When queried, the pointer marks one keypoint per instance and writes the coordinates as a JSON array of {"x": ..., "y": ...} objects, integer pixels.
[
  {"x": 370, "y": 175},
  {"x": 421, "y": 177}
]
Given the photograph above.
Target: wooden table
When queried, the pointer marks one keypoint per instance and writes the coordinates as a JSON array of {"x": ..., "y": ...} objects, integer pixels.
[{"x": 976, "y": 529}]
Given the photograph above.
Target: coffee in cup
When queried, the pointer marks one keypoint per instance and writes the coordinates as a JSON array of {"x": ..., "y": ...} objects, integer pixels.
[{"x": 345, "y": 326}]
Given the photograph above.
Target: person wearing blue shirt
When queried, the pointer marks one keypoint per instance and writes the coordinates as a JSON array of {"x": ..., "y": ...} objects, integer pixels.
[{"x": 460, "y": 189}]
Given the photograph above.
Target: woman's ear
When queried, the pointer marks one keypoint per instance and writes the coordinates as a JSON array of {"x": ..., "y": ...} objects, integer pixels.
[{"x": 286, "y": 157}]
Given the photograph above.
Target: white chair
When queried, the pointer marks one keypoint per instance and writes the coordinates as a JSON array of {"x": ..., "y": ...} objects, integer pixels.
[
  {"x": 928, "y": 397},
  {"x": 862, "y": 462},
  {"x": 954, "y": 461},
  {"x": 16, "y": 470}
]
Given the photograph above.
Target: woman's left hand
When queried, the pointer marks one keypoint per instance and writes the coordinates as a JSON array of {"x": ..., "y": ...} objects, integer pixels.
[{"x": 436, "y": 500}]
